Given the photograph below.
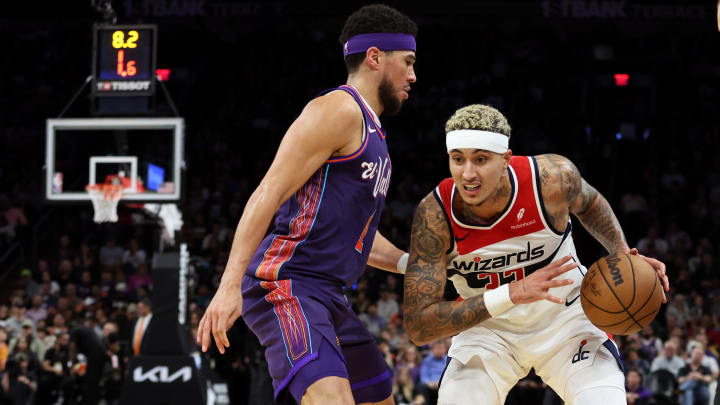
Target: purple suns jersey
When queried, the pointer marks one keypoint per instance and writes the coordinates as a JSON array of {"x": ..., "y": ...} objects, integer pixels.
[{"x": 326, "y": 229}]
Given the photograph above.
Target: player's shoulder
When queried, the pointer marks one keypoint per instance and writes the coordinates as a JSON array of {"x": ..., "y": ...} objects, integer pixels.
[
  {"x": 559, "y": 178},
  {"x": 333, "y": 116},
  {"x": 336, "y": 105},
  {"x": 556, "y": 169},
  {"x": 430, "y": 215}
]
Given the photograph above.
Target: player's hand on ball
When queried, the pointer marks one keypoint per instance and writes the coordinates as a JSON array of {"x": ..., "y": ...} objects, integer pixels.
[
  {"x": 535, "y": 286},
  {"x": 224, "y": 309},
  {"x": 659, "y": 269}
]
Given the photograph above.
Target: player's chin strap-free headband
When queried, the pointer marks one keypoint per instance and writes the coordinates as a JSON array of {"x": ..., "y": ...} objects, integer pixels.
[
  {"x": 476, "y": 139},
  {"x": 383, "y": 41}
]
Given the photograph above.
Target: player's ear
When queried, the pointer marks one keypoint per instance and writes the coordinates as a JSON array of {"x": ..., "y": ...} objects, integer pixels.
[
  {"x": 507, "y": 155},
  {"x": 372, "y": 57}
]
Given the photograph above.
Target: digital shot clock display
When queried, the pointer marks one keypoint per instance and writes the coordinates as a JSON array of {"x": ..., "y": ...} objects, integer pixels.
[{"x": 124, "y": 60}]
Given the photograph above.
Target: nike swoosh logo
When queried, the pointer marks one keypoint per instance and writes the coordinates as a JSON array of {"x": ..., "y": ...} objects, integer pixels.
[
  {"x": 568, "y": 303},
  {"x": 371, "y": 130},
  {"x": 463, "y": 238}
]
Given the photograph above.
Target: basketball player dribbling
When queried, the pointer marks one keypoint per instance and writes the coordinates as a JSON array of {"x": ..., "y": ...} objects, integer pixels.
[
  {"x": 326, "y": 188},
  {"x": 499, "y": 229}
]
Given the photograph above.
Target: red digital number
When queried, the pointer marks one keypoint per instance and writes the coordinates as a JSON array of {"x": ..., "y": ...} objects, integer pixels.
[{"x": 124, "y": 69}]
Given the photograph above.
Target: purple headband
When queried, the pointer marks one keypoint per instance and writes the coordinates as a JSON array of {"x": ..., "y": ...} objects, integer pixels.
[{"x": 383, "y": 41}]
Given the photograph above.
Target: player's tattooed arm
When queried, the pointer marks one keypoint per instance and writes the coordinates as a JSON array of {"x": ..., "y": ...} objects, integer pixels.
[
  {"x": 427, "y": 317},
  {"x": 564, "y": 190}
]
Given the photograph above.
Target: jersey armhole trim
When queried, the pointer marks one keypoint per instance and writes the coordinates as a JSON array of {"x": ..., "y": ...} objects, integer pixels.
[
  {"x": 538, "y": 188},
  {"x": 447, "y": 219},
  {"x": 357, "y": 153}
]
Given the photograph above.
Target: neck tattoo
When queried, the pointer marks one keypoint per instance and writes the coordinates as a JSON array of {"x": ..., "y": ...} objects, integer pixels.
[{"x": 500, "y": 196}]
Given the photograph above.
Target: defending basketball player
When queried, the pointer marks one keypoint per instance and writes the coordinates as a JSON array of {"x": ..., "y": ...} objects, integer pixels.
[
  {"x": 326, "y": 188},
  {"x": 500, "y": 230}
]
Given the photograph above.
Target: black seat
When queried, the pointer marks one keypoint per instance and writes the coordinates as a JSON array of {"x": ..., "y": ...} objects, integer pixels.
[{"x": 664, "y": 385}]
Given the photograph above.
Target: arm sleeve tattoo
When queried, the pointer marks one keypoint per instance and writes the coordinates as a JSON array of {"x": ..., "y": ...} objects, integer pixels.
[
  {"x": 592, "y": 209},
  {"x": 427, "y": 316}
]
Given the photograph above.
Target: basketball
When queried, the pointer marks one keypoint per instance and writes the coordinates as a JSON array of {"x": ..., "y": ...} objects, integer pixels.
[{"x": 621, "y": 294}]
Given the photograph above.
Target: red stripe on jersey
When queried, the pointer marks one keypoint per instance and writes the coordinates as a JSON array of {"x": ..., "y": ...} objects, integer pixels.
[
  {"x": 283, "y": 246},
  {"x": 522, "y": 218}
]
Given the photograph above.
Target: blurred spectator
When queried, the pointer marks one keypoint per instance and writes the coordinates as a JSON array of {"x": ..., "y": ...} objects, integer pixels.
[
  {"x": 37, "y": 311},
  {"x": 404, "y": 389},
  {"x": 85, "y": 260},
  {"x": 144, "y": 311},
  {"x": 650, "y": 345},
  {"x": 42, "y": 342},
  {"x": 134, "y": 256},
  {"x": 31, "y": 287},
  {"x": 694, "y": 379},
  {"x": 409, "y": 358},
  {"x": 636, "y": 393},
  {"x": 65, "y": 249},
  {"x": 55, "y": 382},
  {"x": 652, "y": 242},
  {"x": 677, "y": 308},
  {"x": 140, "y": 279},
  {"x": 22, "y": 382},
  {"x": 13, "y": 325},
  {"x": 66, "y": 273},
  {"x": 21, "y": 347},
  {"x": 110, "y": 253},
  {"x": 12, "y": 212},
  {"x": 372, "y": 321},
  {"x": 4, "y": 352},
  {"x": 58, "y": 326},
  {"x": 49, "y": 286},
  {"x": 114, "y": 370},
  {"x": 668, "y": 360},
  {"x": 431, "y": 370},
  {"x": 678, "y": 239},
  {"x": 387, "y": 307},
  {"x": 634, "y": 361}
]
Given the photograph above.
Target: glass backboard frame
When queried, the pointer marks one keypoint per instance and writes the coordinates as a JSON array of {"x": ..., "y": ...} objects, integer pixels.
[{"x": 177, "y": 125}]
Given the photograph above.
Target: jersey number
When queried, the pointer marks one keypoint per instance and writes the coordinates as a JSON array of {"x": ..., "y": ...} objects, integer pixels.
[
  {"x": 491, "y": 281},
  {"x": 359, "y": 244}
]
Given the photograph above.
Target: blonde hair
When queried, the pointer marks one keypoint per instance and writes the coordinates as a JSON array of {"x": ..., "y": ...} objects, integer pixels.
[{"x": 478, "y": 116}]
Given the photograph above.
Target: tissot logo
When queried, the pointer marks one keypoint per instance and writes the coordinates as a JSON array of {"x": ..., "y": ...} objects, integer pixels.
[
  {"x": 161, "y": 374},
  {"x": 480, "y": 264}
]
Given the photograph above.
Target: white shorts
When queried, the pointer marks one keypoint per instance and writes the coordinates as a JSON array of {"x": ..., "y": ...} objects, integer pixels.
[{"x": 568, "y": 353}]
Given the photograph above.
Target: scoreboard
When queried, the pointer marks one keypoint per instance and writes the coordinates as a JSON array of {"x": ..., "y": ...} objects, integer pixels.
[{"x": 124, "y": 60}]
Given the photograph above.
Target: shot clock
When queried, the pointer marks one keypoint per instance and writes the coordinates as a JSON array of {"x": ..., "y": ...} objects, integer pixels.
[{"x": 124, "y": 60}]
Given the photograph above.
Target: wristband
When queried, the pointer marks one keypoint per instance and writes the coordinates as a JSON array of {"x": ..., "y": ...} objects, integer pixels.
[
  {"x": 402, "y": 263},
  {"x": 498, "y": 300}
]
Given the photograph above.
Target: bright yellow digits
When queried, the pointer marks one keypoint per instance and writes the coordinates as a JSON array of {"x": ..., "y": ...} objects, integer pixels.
[
  {"x": 132, "y": 38},
  {"x": 118, "y": 39}
]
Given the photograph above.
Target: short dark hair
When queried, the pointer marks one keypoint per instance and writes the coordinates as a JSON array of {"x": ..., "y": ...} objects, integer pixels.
[{"x": 370, "y": 19}]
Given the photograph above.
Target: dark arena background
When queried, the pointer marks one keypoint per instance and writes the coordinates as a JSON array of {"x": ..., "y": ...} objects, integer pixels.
[{"x": 628, "y": 90}]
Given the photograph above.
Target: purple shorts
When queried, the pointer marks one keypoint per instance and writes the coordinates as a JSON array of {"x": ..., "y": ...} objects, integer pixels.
[{"x": 310, "y": 331}]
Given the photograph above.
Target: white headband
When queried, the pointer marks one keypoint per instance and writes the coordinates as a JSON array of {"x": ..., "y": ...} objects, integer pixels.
[{"x": 476, "y": 139}]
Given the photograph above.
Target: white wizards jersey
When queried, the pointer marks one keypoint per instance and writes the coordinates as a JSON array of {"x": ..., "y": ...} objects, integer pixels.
[
  {"x": 519, "y": 242},
  {"x": 556, "y": 339}
]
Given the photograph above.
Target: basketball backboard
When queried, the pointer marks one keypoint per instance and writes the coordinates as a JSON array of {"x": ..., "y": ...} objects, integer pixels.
[{"x": 145, "y": 155}]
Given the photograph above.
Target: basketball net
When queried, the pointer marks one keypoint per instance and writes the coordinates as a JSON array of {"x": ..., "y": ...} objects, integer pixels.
[{"x": 105, "y": 198}]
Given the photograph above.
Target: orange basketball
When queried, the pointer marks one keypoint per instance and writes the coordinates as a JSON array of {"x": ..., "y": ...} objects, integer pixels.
[{"x": 621, "y": 294}]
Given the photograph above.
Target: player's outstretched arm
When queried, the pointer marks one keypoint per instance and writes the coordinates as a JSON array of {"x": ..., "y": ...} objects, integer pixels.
[
  {"x": 386, "y": 256},
  {"x": 565, "y": 190},
  {"x": 326, "y": 125}
]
